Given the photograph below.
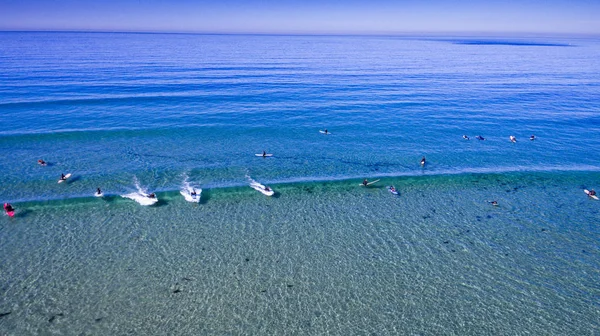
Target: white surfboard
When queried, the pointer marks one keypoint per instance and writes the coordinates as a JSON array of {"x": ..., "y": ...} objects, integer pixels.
[
  {"x": 393, "y": 191},
  {"x": 266, "y": 155},
  {"x": 587, "y": 192},
  {"x": 368, "y": 184},
  {"x": 99, "y": 194},
  {"x": 323, "y": 132},
  {"x": 66, "y": 177},
  {"x": 186, "y": 192}
]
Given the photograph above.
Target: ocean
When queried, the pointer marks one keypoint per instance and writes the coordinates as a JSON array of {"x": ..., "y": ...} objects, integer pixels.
[{"x": 148, "y": 113}]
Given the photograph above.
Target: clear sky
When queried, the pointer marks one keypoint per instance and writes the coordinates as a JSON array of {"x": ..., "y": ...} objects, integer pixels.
[{"x": 305, "y": 16}]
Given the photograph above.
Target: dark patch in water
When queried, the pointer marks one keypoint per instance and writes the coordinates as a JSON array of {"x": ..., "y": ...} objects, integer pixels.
[
  {"x": 510, "y": 43},
  {"x": 446, "y": 242},
  {"x": 23, "y": 213},
  {"x": 5, "y": 314},
  {"x": 543, "y": 230},
  {"x": 160, "y": 203},
  {"x": 290, "y": 286},
  {"x": 53, "y": 317},
  {"x": 247, "y": 259},
  {"x": 98, "y": 319}
]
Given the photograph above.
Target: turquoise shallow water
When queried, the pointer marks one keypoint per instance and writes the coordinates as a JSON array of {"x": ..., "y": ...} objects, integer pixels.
[{"x": 324, "y": 255}]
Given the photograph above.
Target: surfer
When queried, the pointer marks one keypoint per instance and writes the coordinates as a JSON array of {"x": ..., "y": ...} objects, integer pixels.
[
  {"x": 513, "y": 139},
  {"x": 479, "y": 137},
  {"x": 423, "y": 161},
  {"x": 326, "y": 131},
  {"x": 41, "y": 162},
  {"x": 465, "y": 137},
  {"x": 494, "y": 203},
  {"x": 152, "y": 195},
  {"x": 592, "y": 192},
  {"x": 392, "y": 189},
  {"x": 98, "y": 191},
  {"x": 63, "y": 177},
  {"x": 365, "y": 182},
  {"x": 193, "y": 193},
  {"x": 264, "y": 154},
  {"x": 532, "y": 137},
  {"x": 267, "y": 188},
  {"x": 8, "y": 207}
]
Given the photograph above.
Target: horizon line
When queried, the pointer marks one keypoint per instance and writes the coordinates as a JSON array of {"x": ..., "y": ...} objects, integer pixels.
[{"x": 374, "y": 34}]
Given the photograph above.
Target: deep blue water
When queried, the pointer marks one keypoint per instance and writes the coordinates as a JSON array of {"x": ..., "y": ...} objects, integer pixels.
[
  {"x": 110, "y": 106},
  {"x": 323, "y": 256}
]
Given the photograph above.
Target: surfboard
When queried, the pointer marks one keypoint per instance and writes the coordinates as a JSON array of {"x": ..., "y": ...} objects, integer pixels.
[
  {"x": 587, "y": 192},
  {"x": 266, "y": 155},
  {"x": 9, "y": 213},
  {"x": 323, "y": 132},
  {"x": 66, "y": 177},
  {"x": 99, "y": 194},
  {"x": 394, "y": 191},
  {"x": 368, "y": 184}
]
